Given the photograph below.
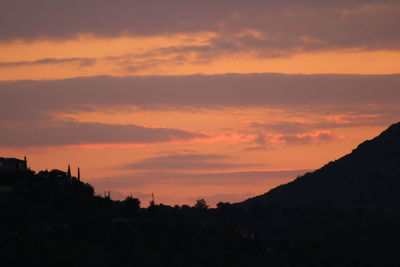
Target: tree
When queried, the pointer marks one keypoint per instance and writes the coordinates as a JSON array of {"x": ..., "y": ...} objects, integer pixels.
[
  {"x": 201, "y": 204},
  {"x": 131, "y": 203},
  {"x": 152, "y": 202},
  {"x": 224, "y": 205}
]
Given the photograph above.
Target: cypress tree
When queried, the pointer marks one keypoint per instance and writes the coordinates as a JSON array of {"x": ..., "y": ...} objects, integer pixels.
[{"x": 69, "y": 171}]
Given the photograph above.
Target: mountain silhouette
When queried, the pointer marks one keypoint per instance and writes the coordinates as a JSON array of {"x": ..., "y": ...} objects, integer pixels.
[
  {"x": 368, "y": 177},
  {"x": 345, "y": 214}
]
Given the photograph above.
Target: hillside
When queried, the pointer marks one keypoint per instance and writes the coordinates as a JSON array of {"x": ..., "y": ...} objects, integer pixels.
[
  {"x": 367, "y": 177},
  {"x": 53, "y": 219},
  {"x": 344, "y": 214}
]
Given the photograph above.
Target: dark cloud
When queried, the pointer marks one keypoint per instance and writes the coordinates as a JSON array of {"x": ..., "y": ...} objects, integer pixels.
[
  {"x": 308, "y": 138},
  {"x": 83, "y": 62},
  {"x": 281, "y": 26},
  {"x": 186, "y": 162},
  {"x": 343, "y": 121},
  {"x": 21, "y": 100},
  {"x": 27, "y": 108},
  {"x": 58, "y": 133},
  {"x": 263, "y": 140}
]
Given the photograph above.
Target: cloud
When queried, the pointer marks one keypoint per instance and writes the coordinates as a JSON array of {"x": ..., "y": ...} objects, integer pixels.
[
  {"x": 292, "y": 128},
  {"x": 301, "y": 133},
  {"x": 269, "y": 28},
  {"x": 60, "y": 133},
  {"x": 288, "y": 126},
  {"x": 83, "y": 62},
  {"x": 319, "y": 92},
  {"x": 186, "y": 162},
  {"x": 28, "y": 109},
  {"x": 137, "y": 179},
  {"x": 308, "y": 138},
  {"x": 263, "y": 140}
]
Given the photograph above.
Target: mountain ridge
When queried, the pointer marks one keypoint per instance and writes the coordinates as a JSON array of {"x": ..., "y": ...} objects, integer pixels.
[{"x": 369, "y": 176}]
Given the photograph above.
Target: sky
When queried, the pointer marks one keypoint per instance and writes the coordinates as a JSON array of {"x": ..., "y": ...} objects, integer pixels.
[{"x": 221, "y": 100}]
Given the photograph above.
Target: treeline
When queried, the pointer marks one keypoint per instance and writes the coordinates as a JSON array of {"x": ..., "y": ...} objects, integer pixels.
[{"x": 53, "y": 219}]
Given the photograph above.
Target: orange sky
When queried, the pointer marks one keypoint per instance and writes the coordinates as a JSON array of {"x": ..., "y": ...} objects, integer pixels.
[
  {"x": 108, "y": 56},
  {"x": 200, "y": 133}
]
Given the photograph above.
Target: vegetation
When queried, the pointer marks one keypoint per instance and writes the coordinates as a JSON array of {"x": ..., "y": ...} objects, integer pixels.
[{"x": 345, "y": 214}]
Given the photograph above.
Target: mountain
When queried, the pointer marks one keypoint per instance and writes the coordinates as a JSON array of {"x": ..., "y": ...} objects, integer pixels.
[
  {"x": 52, "y": 219},
  {"x": 368, "y": 177},
  {"x": 343, "y": 214}
]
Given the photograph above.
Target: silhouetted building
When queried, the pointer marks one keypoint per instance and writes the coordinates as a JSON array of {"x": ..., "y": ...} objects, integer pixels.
[{"x": 13, "y": 164}]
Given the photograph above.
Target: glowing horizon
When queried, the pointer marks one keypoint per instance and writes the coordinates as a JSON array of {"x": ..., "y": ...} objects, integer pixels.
[{"x": 221, "y": 101}]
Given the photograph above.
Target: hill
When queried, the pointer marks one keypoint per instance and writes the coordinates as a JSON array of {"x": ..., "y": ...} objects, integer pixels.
[
  {"x": 368, "y": 177},
  {"x": 53, "y": 219},
  {"x": 344, "y": 214}
]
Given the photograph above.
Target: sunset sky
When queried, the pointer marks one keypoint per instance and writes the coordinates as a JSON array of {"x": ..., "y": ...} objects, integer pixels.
[{"x": 221, "y": 100}]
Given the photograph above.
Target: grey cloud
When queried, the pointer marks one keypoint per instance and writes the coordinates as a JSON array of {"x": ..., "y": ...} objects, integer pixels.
[
  {"x": 22, "y": 100},
  {"x": 354, "y": 118},
  {"x": 285, "y": 127},
  {"x": 320, "y": 137},
  {"x": 186, "y": 162},
  {"x": 83, "y": 62},
  {"x": 58, "y": 133},
  {"x": 166, "y": 56},
  {"x": 296, "y": 132},
  {"x": 256, "y": 147},
  {"x": 133, "y": 66},
  {"x": 301, "y": 25},
  {"x": 27, "y": 107},
  {"x": 263, "y": 140}
]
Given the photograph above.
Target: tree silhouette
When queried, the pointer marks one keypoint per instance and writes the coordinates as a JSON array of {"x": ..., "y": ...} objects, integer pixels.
[
  {"x": 201, "y": 204},
  {"x": 224, "y": 205},
  {"x": 131, "y": 203},
  {"x": 152, "y": 202},
  {"x": 69, "y": 171}
]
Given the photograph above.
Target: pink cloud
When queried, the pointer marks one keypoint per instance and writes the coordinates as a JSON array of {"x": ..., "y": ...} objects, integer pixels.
[
  {"x": 262, "y": 141},
  {"x": 307, "y": 138},
  {"x": 90, "y": 134}
]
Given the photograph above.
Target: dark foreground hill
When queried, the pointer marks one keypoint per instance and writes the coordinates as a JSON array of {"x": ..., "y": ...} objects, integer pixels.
[
  {"x": 344, "y": 214},
  {"x": 367, "y": 177},
  {"x": 52, "y": 219}
]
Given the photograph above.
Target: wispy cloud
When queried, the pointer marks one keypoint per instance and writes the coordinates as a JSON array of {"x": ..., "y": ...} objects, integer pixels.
[
  {"x": 352, "y": 119},
  {"x": 83, "y": 62},
  {"x": 320, "y": 92},
  {"x": 265, "y": 140},
  {"x": 185, "y": 162},
  {"x": 137, "y": 179},
  {"x": 339, "y": 100},
  {"x": 62, "y": 133}
]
